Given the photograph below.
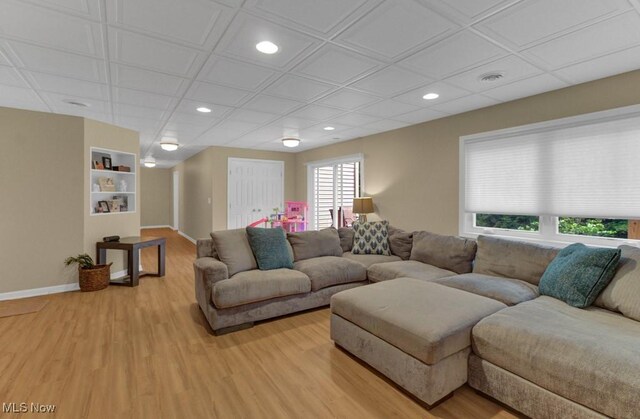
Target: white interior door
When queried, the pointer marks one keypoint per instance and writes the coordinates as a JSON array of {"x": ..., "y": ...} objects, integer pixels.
[
  {"x": 255, "y": 188},
  {"x": 176, "y": 200}
]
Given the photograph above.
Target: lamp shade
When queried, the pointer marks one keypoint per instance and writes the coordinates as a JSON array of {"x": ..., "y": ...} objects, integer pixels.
[{"x": 363, "y": 205}]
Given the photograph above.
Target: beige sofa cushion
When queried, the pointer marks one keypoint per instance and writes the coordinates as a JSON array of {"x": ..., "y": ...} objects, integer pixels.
[
  {"x": 234, "y": 250},
  {"x": 400, "y": 242},
  {"x": 623, "y": 292},
  {"x": 253, "y": 286},
  {"x": 326, "y": 271},
  {"x": 346, "y": 235},
  {"x": 506, "y": 290},
  {"x": 512, "y": 258},
  {"x": 368, "y": 260},
  {"x": 588, "y": 356},
  {"x": 406, "y": 268},
  {"x": 447, "y": 252},
  {"x": 425, "y": 320},
  {"x": 313, "y": 244}
]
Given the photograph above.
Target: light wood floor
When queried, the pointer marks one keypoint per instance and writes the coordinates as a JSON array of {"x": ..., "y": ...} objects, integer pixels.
[{"x": 147, "y": 352}]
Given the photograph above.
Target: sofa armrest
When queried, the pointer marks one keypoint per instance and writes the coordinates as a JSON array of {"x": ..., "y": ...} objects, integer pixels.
[
  {"x": 205, "y": 247},
  {"x": 208, "y": 271}
]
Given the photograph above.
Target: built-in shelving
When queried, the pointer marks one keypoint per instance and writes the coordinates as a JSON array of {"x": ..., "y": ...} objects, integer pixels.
[{"x": 120, "y": 200}]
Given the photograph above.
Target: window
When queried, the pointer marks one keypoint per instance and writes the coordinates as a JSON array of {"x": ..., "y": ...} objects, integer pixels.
[
  {"x": 332, "y": 186},
  {"x": 573, "y": 179}
]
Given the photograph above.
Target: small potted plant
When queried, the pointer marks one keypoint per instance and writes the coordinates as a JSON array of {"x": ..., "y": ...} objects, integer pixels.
[{"x": 92, "y": 277}]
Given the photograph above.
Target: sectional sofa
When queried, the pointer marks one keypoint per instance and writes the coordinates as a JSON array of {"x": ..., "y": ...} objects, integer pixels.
[{"x": 443, "y": 311}]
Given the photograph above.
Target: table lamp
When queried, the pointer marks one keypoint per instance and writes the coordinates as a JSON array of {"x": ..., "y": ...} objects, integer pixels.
[{"x": 362, "y": 207}]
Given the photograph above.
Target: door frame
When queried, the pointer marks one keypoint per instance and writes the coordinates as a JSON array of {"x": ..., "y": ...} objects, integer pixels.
[
  {"x": 176, "y": 200},
  {"x": 228, "y": 173}
]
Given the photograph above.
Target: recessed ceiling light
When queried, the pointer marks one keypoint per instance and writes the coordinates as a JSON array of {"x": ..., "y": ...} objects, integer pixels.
[
  {"x": 203, "y": 109},
  {"x": 290, "y": 142},
  {"x": 149, "y": 162},
  {"x": 431, "y": 96},
  {"x": 76, "y": 103},
  {"x": 169, "y": 144},
  {"x": 267, "y": 47},
  {"x": 329, "y": 128}
]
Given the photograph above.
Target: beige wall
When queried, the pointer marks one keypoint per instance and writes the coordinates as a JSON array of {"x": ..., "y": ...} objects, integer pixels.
[
  {"x": 41, "y": 196},
  {"x": 156, "y": 197},
  {"x": 412, "y": 173},
  {"x": 204, "y": 176}
]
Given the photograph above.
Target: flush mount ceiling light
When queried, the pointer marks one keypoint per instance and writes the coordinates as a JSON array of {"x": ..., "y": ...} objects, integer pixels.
[
  {"x": 431, "y": 96},
  {"x": 76, "y": 103},
  {"x": 203, "y": 109},
  {"x": 290, "y": 142},
  {"x": 267, "y": 47},
  {"x": 149, "y": 162},
  {"x": 491, "y": 77},
  {"x": 329, "y": 128},
  {"x": 169, "y": 144}
]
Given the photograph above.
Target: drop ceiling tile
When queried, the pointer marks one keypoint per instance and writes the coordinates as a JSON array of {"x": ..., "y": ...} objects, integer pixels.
[
  {"x": 254, "y": 117},
  {"x": 212, "y": 93},
  {"x": 3, "y": 58},
  {"x": 140, "y": 98},
  {"x": 138, "y": 111},
  {"x": 198, "y": 22},
  {"x": 527, "y": 87},
  {"x": 453, "y": 55},
  {"x": 293, "y": 122},
  {"x": 150, "y": 81},
  {"x": 50, "y": 28},
  {"x": 183, "y": 134},
  {"x": 89, "y": 9},
  {"x": 298, "y": 88},
  {"x": 465, "y": 104},
  {"x": 355, "y": 119},
  {"x": 605, "y": 66},
  {"x": 272, "y": 104},
  {"x": 47, "y": 60},
  {"x": 137, "y": 123},
  {"x": 615, "y": 34},
  {"x": 388, "y": 109},
  {"x": 246, "y": 31},
  {"x": 385, "y": 125},
  {"x": 194, "y": 119},
  {"x": 336, "y": 65},
  {"x": 317, "y": 112},
  {"x": 189, "y": 107},
  {"x": 529, "y": 22},
  {"x": 225, "y": 132},
  {"x": 153, "y": 54},
  {"x": 57, "y": 102},
  {"x": 512, "y": 67},
  {"x": 446, "y": 92},
  {"x": 67, "y": 86},
  {"x": 19, "y": 97},
  {"x": 396, "y": 28},
  {"x": 321, "y": 17},
  {"x": 468, "y": 11},
  {"x": 319, "y": 130},
  {"x": 10, "y": 77},
  {"x": 348, "y": 99},
  {"x": 235, "y": 73},
  {"x": 419, "y": 116},
  {"x": 390, "y": 81}
]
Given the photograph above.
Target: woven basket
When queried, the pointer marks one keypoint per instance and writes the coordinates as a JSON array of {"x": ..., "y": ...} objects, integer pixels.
[{"x": 96, "y": 278}]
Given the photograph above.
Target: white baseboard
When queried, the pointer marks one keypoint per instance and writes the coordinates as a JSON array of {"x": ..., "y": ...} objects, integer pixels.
[
  {"x": 34, "y": 292},
  {"x": 159, "y": 226},
  {"x": 186, "y": 237}
]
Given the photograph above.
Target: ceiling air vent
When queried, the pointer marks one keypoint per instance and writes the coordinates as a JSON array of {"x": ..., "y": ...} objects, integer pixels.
[
  {"x": 491, "y": 77},
  {"x": 75, "y": 103}
]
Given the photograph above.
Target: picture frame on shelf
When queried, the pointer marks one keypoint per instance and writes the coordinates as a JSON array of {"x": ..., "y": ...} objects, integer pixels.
[
  {"x": 106, "y": 161},
  {"x": 103, "y": 206}
]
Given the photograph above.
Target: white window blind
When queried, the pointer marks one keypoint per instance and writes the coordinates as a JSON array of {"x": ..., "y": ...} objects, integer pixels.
[
  {"x": 585, "y": 168},
  {"x": 334, "y": 187}
]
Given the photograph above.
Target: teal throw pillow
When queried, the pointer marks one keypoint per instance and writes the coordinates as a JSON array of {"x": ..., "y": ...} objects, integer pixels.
[
  {"x": 270, "y": 247},
  {"x": 579, "y": 273},
  {"x": 371, "y": 238}
]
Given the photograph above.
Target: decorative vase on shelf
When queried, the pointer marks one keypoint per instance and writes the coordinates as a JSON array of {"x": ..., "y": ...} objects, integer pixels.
[
  {"x": 122, "y": 186},
  {"x": 96, "y": 187}
]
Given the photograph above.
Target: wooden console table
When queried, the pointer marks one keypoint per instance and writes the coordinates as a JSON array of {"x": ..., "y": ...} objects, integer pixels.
[{"x": 132, "y": 245}]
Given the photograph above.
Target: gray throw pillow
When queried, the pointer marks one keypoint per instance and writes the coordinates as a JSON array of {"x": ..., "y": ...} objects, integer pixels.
[
  {"x": 371, "y": 238},
  {"x": 623, "y": 292},
  {"x": 313, "y": 244},
  {"x": 234, "y": 250},
  {"x": 400, "y": 242},
  {"x": 346, "y": 238},
  {"x": 447, "y": 252}
]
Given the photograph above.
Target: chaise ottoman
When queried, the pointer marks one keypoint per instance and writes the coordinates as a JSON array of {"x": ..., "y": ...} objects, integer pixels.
[{"x": 416, "y": 333}]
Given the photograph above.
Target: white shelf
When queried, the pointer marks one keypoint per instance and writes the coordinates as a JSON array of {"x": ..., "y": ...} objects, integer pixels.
[
  {"x": 111, "y": 172},
  {"x": 113, "y": 192},
  {"x": 118, "y": 158}
]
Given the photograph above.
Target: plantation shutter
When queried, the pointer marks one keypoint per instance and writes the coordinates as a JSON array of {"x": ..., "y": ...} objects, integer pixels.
[
  {"x": 586, "y": 169},
  {"x": 335, "y": 186}
]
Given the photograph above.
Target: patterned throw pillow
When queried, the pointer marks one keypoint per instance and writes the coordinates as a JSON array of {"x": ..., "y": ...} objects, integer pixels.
[{"x": 371, "y": 238}]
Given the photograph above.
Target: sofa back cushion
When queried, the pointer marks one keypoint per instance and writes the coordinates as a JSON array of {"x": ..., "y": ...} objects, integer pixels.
[
  {"x": 623, "y": 293},
  {"x": 512, "y": 259},
  {"x": 346, "y": 238},
  {"x": 447, "y": 252},
  {"x": 313, "y": 244},
  {"x": 206, "y": 248},
  {"x": 234, "y": 250},
  {"x": 579, "y": 273},
  {"x": 400, "y": 242}
]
